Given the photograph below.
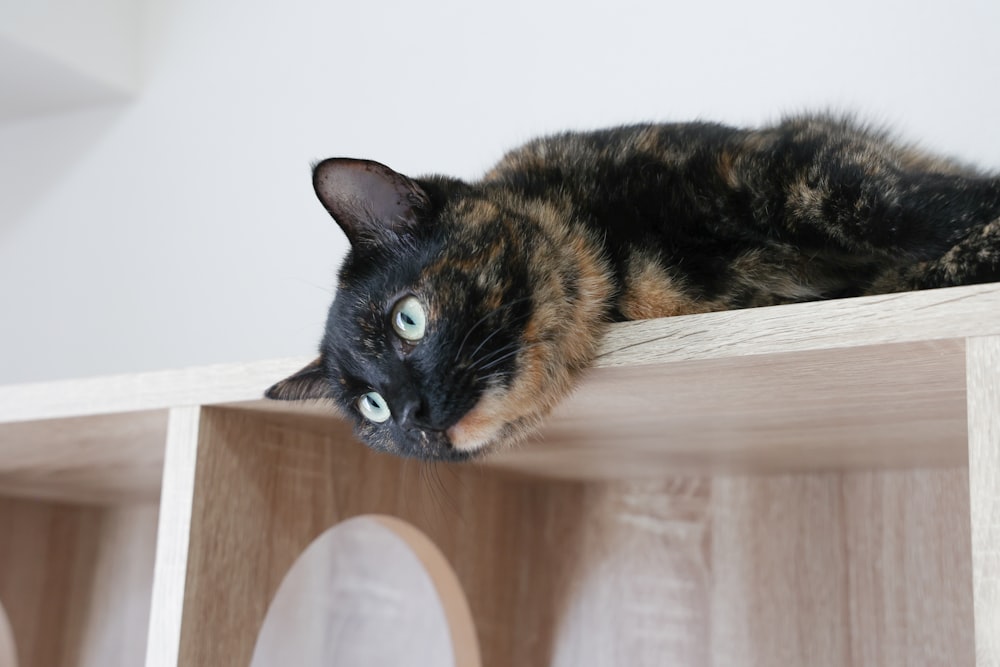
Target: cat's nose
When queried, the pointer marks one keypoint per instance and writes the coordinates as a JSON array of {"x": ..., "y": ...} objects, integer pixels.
[{"x": 411, "y": 414}]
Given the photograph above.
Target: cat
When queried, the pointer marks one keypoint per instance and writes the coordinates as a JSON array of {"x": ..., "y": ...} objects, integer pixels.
[{"x": 466, "y": 310}]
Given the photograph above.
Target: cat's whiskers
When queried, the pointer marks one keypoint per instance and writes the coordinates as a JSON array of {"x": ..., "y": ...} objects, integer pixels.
[
  {"x": 490, "y": 377},
  {"x": 485, "y": 340},
  {"x": 504, "y": 357},
  {"x": 476, "y": 363},
  {"x": 492, "y": 313},
  {"x": 430, "y": 473},
  {"x": 515, "y": 322}
]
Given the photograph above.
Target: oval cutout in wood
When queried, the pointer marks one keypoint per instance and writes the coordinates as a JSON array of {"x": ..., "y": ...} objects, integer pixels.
[
  {"x": 8, "y": 649},
  {"x": 373, "y": 591}
]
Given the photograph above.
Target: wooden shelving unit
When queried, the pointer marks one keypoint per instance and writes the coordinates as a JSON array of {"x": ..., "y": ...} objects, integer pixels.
[{"x": 811, "y": 484}]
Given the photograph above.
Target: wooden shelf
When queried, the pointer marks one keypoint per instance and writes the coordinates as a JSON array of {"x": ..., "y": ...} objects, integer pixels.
[
  {"x": 870, "y": 382},
  {"x": 717, "y": 422}
]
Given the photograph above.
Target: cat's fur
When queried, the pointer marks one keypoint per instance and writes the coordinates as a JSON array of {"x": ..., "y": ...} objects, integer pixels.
[{"x": 519, "y": 272}]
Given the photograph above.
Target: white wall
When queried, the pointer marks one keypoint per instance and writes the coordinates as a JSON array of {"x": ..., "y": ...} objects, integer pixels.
[
  {"x": 180, "y": 228},
  {"x": 96, "y": 37}
]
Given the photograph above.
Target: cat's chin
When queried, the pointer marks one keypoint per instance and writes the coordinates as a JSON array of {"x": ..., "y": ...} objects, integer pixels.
[
  {"x": 490, "y": 425},
  {"x": 481, "y": 426}
]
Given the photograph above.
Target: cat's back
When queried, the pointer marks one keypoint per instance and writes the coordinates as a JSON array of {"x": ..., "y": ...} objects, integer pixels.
[
  {"x": 594, "y": 153},
  {"x": 706, "y": 150},
  {"x": 811, "y": 207}
]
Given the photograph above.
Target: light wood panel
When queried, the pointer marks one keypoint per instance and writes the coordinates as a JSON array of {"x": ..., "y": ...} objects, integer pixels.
[
  {"x": 173, "y": 535},
  {"x": 900, "y": 405},
  {"x": 75, "y": 582},
  {"x": 98, "y": 459},
  {"x": 639, "y": 573},
  {"x": 116, "y": 618},
  {"x": 161, "y": 390},
  {"x": 908, "y": 567},
  {"x": 858, "y": 569},
  {"x": 984, "y": 488},
  {"x": 907, "y": 317},
  {"x": 265, "y": 489},
  {"x": 955, "y": 312},
  {"x": 865, "y": 569},
  {"x": 892, "y": 405}
]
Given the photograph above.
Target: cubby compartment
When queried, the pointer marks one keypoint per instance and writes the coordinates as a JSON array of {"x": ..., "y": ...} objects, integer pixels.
[
  {"x": 75, "y": 581},
  {"x": 812, "y": 484}
]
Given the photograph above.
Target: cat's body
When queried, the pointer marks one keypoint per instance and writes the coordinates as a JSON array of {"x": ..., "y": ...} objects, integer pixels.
[{"x": 515, "y": 276}]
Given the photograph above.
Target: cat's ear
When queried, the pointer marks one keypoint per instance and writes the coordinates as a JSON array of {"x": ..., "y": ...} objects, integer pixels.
[
  {"x": 310, "y": 382},
  {"x": 372, "y": 203}
]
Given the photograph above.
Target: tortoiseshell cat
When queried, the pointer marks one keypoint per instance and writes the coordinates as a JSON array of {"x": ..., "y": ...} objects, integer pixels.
[{"x": 465, "y": 311}]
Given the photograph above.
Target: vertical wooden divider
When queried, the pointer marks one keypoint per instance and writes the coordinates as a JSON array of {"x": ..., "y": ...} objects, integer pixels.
[
  {"x": 170, "y": 570},
  {"x": 983, "y": 378}
]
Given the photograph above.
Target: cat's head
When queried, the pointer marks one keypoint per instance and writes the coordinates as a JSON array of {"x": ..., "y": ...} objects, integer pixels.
[{"x": 462, "y": 312}]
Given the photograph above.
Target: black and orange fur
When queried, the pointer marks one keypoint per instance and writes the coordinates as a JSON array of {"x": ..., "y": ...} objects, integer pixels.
[{"x": 520, "y": 271}]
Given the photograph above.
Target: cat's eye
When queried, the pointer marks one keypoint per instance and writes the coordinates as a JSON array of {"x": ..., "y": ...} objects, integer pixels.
[
  {"x": 408, "y": 319},
  {"x": 373, "y": 407}
]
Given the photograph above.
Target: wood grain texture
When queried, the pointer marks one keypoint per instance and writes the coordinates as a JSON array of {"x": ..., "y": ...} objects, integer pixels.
[
  {"x": 117, "y": 615},
  {"x": 869, "y": 568},
  {"x": 266, "y": 487},
  {"x": 906, "y": 317},
  {"x": 640, "y": 576},
  {"x": 984, "y": 489},
  {"x": 955, "y": 312},
  {"x": 76, "y": 582},
  {"x": 892, "y": 405},
  {"x": 99, "y": 459},
  {"x": 908, "y": 567},
  {"x": 173, "y": 534},
  {"x": 900, "y": 405},
  {"x": 161, "y": 390},
  {"x": 866, "y": 569}
]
